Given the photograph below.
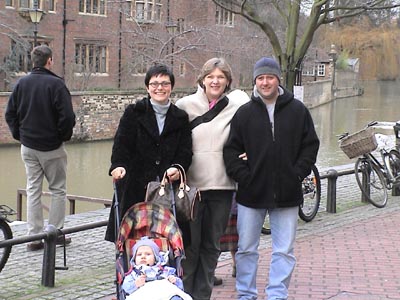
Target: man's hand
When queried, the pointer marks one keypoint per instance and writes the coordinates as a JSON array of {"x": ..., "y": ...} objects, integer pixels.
[{"x": 243, "y": 156}]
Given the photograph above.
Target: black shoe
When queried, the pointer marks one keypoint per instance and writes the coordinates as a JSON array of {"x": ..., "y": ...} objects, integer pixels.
[
  {"x": 35, "y": 246},
  {"x": 217, "y": 281},
  {"x": 233, "y": 271},
  {"x": 60, "y": 240},
  {"x": 265, "y": 230}
]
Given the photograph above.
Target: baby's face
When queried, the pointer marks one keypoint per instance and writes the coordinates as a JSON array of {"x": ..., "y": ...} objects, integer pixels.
[{"x": 145, "y": 256}]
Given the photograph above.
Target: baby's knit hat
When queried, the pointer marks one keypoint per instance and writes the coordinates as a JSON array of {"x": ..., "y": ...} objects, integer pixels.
[
  {"x": 145, "y": 241},
  {"x": 266, "y": 65}
]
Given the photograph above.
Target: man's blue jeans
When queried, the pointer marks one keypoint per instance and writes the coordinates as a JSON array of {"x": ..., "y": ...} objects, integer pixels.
[{"x": 283, "y": 223}]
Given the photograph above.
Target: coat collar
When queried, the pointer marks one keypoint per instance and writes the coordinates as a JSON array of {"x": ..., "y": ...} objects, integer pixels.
[
  {"x": 147, "y": 118},
  {"x": 283, "y": 99}
]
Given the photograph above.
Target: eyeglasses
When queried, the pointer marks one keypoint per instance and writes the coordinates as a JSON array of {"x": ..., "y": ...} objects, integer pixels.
[{"x": 156, "y": 84}]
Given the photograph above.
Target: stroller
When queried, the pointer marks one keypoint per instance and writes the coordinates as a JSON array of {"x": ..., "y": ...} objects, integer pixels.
[{"x": 154, "y": 221}]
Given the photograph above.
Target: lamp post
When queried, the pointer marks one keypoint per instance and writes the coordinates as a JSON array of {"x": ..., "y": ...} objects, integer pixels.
[
  {"x": 333, "y": 56},
  {"x": 36, "y": 15},
  {"x": 171, "y": 28}
]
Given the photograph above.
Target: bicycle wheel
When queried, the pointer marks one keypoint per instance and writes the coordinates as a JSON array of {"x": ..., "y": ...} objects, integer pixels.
[
  {"x": 371, "y": 181},
  {"x": 392, "y": 161},
  {"x": 5, "y": 234},
  {"x": 311, "y": 186}
]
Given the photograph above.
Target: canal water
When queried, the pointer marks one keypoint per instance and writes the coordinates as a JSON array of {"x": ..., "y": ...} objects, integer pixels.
[{"x": 88, "y": 163}]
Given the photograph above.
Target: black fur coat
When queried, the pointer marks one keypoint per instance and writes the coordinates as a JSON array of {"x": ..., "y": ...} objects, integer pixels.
[{"x": 145, "y": 154}]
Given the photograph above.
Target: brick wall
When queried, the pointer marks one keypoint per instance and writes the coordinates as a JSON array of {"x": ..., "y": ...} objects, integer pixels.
[{"x": 98, "y": 113}]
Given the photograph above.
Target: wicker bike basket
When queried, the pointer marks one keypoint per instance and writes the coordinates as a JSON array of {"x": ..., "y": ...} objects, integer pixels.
[{"x": 359, "y": 143}]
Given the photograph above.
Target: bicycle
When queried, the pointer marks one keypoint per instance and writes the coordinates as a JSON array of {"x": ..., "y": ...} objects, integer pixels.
[
  {"x": 311, "y": 187},
  {"x": 374, "y": 176},
  {"x": 5, "y": 233}
]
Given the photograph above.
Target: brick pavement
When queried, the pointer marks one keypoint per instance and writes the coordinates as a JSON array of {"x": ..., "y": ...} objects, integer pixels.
[{"x": 351, "y": 255}]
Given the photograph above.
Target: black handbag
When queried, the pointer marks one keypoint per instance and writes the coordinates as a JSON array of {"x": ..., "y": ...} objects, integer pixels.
[{"x": 181, "y": 199}]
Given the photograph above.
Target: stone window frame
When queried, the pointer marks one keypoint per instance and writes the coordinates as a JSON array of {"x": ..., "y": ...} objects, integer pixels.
[
  {"x": 91, "y": 57},
  {"x": 321, "y": 70},
  {"x": 96, "y": 7},
  {"x": 224, "y": 17},
  {"x": 52, "y": 5},
  {"x": 30, "y": 4},
  {"x": 24, "y": 59},
  {"x": 140, "y": 56},
  {"x": 146, "y": 11}
]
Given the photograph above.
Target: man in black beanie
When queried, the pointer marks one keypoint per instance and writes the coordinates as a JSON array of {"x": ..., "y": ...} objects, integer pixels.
[{"x": 271, "y": 147}]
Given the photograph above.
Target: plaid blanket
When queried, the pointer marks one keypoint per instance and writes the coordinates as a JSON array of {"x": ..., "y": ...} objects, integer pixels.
[{"x": 152, "y": 220}]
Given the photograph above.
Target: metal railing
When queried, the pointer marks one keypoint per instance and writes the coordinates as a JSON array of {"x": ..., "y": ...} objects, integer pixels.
[
  {"x": 71, "y": 198},
  {"x": 331, "y": 175},
  {"x": 51, "y": 233},
  {"x": 50, "y": 236}
]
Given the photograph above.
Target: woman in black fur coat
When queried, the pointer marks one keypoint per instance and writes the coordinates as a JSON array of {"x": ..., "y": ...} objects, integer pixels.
[{"x": 152, "y": 135}]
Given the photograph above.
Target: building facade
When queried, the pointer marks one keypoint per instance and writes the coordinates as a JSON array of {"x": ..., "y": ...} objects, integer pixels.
[{"x": 109, "y": 44}]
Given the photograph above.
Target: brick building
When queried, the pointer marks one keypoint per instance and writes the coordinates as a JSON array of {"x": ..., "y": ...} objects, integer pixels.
[{"x": 109, "y": 44}]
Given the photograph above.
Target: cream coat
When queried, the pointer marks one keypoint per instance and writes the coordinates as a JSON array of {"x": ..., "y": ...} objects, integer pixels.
[{"x": 207, "y": 171}]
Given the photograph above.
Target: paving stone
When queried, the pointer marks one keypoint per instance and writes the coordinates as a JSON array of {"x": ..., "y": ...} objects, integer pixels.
[{"x": 350, "y": 255}]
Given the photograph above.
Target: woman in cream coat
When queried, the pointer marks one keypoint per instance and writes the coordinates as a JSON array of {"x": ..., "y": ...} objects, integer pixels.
[{"x": 207, "y": 173}]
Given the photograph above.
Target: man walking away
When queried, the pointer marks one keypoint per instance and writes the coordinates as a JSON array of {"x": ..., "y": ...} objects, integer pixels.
[{"x": 40, "y": 115}]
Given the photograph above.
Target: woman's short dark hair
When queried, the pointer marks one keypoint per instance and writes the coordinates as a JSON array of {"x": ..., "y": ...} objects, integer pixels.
[
  {"x": 159, "y": 69},
  {"x": 212, "y": 64},
  {"x": 40, "y": 55}
]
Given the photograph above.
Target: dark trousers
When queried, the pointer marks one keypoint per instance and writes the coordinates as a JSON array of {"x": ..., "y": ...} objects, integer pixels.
[{"x": 206, "y": 231}]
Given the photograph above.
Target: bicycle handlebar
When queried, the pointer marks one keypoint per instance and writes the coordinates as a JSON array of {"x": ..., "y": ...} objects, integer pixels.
[{"x": 345, "y": 134}]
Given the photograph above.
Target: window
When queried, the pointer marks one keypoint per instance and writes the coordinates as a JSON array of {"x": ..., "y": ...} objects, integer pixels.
[
  {"x": 21, "y": 57},
  {"x": 96, "y": 7},
  {"x": 30, "y": 3},
  {"x": 52, "y": 5},
  {"x": 308, "y": 70},
  {"x": 91, "y": 58},
  {"x": 224, "y": 17},
  {"x": 321, "y": 70},
  {"x": 181, "y": 25},
  {"x": 182, "y": 69},
  {"x": 141, "y": 59},
  {"x": 146, "y": 10},
  {"x": 9, "y": 3},
  {"x": 312, "y": 70}
]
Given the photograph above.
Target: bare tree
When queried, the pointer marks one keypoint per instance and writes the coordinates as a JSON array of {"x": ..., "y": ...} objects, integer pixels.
[
  {"x": 195, "y": 39},
  {"x": 290, "y": 43}
]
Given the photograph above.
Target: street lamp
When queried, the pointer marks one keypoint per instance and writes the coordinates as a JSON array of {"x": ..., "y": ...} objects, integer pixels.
[
  {"x": 36, "y": 15},
  {"x": 171, "y": 28},
  {"x": 333, "y": 56}
]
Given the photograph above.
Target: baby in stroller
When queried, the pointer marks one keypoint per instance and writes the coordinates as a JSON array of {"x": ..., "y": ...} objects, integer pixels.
[{"x": 149, "y": 277}]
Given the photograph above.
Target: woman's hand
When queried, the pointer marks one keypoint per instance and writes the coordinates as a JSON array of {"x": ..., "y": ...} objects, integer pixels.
[
  {"x": 118, "y": 173},
  {"x": 173, "y": 174}
]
